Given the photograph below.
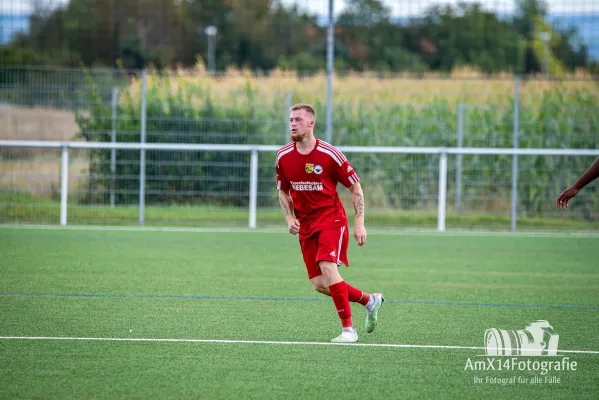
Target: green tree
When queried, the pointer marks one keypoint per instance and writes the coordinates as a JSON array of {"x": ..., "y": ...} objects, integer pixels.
[
  {"x": 251, "y": 33},
  {"x": 364, "y": 12},
  {"x": 569, "y": 48},
  {"x": 264, "y": 34},
  {"x": 464, "y": 35},
  {"x": 526, "y": 12},
  {"x": 565, "y": 46},
  {"x": 524, "y": 24},
  {"x": 367, "y": 40},
  {"x": 100, "y": 32}
]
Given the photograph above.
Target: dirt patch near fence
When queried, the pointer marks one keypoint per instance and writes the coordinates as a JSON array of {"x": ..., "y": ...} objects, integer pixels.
[
  {"x": 34, "y": 170},
  {"x": 23, "y": 123}
]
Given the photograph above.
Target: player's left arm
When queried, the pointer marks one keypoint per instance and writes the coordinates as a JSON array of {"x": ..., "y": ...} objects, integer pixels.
[
  {"x": 357, "y": 197},
  {"x": 345, "y": 173}
]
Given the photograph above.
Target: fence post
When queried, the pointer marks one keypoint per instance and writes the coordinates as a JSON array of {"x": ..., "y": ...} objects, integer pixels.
[
  {"x": 115, "y": 94},
  {"x": 442, "y": 191},
  {"x": 288, "y": 100},
  {"x": 142, "y": 158},
  {"x": 330, "y": 68},
  {"x": 458, "y": 172},
  {"x": 253, "y": 188},
  {"x": 515, "y": 157},
  {"x": 64, "y": 184}
]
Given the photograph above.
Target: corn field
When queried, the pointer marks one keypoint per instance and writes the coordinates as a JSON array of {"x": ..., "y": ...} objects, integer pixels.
[{"x": 369, "y": 110}]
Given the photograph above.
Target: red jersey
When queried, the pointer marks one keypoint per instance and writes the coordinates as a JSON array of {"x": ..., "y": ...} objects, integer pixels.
[{"x": 311, "y": 180}]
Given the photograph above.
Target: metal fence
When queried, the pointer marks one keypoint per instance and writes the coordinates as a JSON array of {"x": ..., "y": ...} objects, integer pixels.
[
  {"x": 105, "y": 106},
  {"x": 207, "y": 185}
]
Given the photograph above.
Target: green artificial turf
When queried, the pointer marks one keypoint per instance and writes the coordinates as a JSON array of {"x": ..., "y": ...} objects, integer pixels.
[{"x": 441, "y": 290}]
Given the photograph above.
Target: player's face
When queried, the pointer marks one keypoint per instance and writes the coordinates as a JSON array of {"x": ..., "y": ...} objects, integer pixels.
[{"x": 300, "y": 124}]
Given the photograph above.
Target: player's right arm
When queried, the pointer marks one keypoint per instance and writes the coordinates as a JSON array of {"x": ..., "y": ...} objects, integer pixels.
[
  {"x": 286, "y": 202},
  {"x": 287, "y": 206},
  {"x": 589, "y": 176}
]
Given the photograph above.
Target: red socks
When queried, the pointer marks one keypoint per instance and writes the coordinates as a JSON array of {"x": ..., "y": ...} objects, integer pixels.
[
  {"x": 339, "y": 293},
  {"x": 356, "y": 295},
  {"x": 342, "y": 294}
]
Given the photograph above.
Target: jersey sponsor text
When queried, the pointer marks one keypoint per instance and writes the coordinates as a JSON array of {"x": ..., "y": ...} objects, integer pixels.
[{"x": 307, "y": 186}]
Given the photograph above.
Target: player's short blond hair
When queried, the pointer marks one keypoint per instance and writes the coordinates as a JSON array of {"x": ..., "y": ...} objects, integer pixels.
[{"x": 303, "y": 106}]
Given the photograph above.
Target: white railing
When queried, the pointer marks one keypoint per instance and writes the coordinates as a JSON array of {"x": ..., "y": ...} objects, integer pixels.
[{"x": 255, "y": 149}]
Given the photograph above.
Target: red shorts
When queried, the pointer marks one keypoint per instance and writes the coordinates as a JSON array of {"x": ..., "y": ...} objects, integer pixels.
[{"x": 328, "y": 245}]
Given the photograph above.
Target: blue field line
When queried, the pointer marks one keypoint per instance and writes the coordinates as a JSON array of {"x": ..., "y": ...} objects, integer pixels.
[
  {"x": 207, "y": 297},
  {"x": 158, "y": 296},
  {"x": 457, "y": 303}
]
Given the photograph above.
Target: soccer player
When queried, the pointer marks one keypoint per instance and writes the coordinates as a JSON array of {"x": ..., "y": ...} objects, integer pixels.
[
  {"x": 308, "y": 171},
  {"x": 589, "y": 176}
]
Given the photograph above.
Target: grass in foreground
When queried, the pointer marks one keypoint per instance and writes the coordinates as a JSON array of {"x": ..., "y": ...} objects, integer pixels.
[{"x": 144, "y": 280}]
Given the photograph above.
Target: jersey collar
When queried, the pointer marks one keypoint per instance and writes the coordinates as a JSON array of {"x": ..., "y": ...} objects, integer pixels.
[{"x": 311, "y": 151}]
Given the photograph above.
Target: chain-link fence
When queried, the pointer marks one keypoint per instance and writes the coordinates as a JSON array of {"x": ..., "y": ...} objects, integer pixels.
[
  {"x": 196, "y": 108},
  {"x": 199, "y": 108}
]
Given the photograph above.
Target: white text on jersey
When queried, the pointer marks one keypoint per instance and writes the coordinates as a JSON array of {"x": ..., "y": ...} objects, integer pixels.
[{"x": 307, "y": 186}]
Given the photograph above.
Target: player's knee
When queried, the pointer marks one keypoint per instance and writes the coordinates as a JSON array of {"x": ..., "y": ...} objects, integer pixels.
[
  {"x": 319, "y": 284},
  {"x": 320, "y": 288}
]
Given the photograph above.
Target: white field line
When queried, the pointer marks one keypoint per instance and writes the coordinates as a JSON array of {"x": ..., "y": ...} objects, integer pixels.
[
  {"x": 282, "y": 230},
  {"x": 223, "y": 341}
]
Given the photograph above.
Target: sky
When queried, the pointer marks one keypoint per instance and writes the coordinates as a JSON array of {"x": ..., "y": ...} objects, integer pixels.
[{"x": 398, "y": 7}]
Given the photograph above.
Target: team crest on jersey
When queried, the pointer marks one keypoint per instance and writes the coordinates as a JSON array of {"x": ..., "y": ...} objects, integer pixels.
[
  {"x": 309, "y": 168},
  {"x": 318, "y": 169}
]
